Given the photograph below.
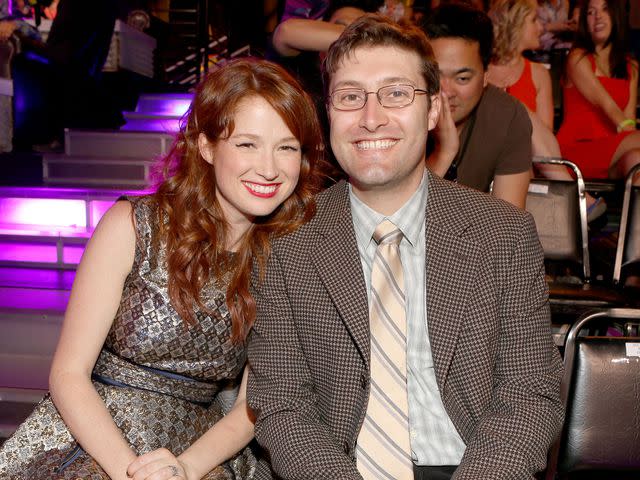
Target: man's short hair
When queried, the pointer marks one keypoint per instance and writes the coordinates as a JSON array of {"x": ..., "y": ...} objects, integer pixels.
[
  {"x": 458, "y": 20},
  {"x": 374, "y": 30}
]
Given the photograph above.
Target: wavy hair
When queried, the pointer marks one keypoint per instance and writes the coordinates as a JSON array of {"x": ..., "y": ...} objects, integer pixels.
[
  {"x": 192, "y": 224},
  {"x": 618, "y": 39},
  {"x": 508, "y": 17}
]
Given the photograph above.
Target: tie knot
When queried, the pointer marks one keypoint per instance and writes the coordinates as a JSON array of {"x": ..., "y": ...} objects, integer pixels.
[{"x": 387, "y": 233}]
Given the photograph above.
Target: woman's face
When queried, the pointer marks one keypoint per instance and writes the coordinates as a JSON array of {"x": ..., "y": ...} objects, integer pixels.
[
  {"x": 257, "y": 167},
  {"x": 598, "y": 21},
  {"x": 531, "y": 30}
]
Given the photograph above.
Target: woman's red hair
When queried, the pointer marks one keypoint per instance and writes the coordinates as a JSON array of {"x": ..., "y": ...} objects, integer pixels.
[{"x": 192, "y": 225}]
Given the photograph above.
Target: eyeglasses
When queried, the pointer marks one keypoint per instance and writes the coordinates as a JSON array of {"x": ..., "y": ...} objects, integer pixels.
[{"x": 389, "y": 96}]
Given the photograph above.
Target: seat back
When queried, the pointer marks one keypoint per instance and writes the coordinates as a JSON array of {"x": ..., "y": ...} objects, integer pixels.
[
  {"x": 600, "y": 391},
  {"x": 628, "y": 249},
  {"x": 559, "y": 210}
]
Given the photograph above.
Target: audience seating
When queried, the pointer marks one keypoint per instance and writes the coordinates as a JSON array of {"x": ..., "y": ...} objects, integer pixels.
[
  {"x": 628, "y": 249},
  {"x": 560, "y": 210},
  {"x": 600, "y": 392}
]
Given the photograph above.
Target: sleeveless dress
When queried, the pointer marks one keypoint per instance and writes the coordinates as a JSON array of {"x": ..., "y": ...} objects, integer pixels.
[
  {"x": 524, "y": 89},
  {"x": 164, "y": 382},
  {"x": 587, "y": 137}
]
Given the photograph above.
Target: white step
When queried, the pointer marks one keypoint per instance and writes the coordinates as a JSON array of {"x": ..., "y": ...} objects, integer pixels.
[
  {"x": 117, "y": 144},
  {"x": 98, "y": 171}
]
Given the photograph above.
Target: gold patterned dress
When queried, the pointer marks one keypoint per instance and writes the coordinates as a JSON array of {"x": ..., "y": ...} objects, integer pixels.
[{"x": 164, "y": 382}]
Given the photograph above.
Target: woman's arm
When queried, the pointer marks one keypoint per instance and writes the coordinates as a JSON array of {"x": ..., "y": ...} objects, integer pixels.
[
  {"x": 544, "y": 94},
  {"x": 582, "y": 76},
  {"x": 631, "y": 108},
  {"x": 296, "y": 35},
  {"x": 93, "y": 303},
  {"x": 226, "y": 438}
]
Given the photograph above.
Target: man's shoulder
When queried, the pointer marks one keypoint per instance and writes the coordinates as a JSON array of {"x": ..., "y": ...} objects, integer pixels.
[{"x": 480, "y": 214}]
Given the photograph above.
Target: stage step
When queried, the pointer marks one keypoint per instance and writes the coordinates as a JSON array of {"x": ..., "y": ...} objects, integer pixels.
[
  {"x": 97, "y": 171},
  {"x": 45, "y": 227},
  {"x": 117, "y": 144},
  {"x": 151, "y": 122},
  {"x": 171, "y": 104}
]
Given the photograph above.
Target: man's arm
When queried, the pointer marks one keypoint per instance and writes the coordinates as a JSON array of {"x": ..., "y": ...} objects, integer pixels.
[
  {"x": 525, "y": 414},
  {"x": 511, "y": 178},
  {"x": 281, "y": 391},
  {"x": 512, "y": 188}
]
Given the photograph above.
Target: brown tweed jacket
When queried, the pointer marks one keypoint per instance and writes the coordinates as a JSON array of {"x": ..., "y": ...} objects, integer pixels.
[{"x": 488, "y": 320}]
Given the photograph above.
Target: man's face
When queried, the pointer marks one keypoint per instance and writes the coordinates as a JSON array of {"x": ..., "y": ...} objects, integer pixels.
[
  {"x": 382, "y": 149},
  {"x": 462, "y": 75}
]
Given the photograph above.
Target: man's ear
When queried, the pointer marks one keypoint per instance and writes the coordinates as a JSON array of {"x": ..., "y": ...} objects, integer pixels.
[
  {"x": 206, "y": 148},
  {"x": 434, "y": 111}
]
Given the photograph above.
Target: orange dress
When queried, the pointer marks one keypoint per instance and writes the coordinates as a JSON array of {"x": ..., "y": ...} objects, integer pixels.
[
  {"x": 524, "y": 89},
  {"x": 587, "y": 137}
]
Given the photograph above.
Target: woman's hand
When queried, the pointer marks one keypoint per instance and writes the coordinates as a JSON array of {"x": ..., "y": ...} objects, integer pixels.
[{"x": 158, "y": 464}]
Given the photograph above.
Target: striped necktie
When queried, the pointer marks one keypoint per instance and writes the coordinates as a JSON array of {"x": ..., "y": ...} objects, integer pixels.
[{"x": 384, "y": 449}]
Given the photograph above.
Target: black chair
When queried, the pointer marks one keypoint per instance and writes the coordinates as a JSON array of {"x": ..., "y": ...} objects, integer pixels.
[
  {"x": 628, "y": 249},
  {"x": 559, "y": 208},
  {"x": 601, "y": 393}
]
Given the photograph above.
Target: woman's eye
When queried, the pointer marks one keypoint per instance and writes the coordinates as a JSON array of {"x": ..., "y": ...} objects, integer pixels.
[
  {"x": 245, "y": 145},
  {"x": 290, "y": 148}
]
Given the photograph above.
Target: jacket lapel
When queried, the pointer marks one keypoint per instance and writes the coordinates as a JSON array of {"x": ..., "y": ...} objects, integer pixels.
[
  {"x": 451, "y": 263},
  {"x": 337, "y": 261}
]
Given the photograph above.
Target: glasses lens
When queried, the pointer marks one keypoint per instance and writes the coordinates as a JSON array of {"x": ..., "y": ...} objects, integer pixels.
[
  {"x": 348, "y": 99},
  {"x": 395, "y": 96}
]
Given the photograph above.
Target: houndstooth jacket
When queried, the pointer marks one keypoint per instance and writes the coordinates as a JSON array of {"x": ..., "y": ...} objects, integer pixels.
[{"x": 496, "y": 366}]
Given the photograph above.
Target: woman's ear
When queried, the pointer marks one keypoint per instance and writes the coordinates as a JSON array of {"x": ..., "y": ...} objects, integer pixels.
[{"x": 206, "y": 148}]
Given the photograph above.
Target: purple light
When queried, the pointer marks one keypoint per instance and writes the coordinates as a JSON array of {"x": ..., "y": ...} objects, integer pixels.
[
  {"x": 43, "y": 212},
  {"x": 28, "y": 252},
  {"x": 98, "y": 209},
  {"x": 72, "y": 253}
]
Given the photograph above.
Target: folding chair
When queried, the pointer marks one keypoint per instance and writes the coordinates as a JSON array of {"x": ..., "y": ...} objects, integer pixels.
[
  {"x": 628, "y": 249},
  {"x": 600, "y": 388},
  {"x": 559, "y": 208}
]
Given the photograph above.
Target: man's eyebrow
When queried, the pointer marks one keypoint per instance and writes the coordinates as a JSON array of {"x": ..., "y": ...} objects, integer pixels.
[
  {"x": 459, "y": 71},
  {"x": 383, "y": 82}
]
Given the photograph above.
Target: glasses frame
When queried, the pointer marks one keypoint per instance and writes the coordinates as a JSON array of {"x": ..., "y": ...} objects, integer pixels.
[{"x": 418, "y": 91}]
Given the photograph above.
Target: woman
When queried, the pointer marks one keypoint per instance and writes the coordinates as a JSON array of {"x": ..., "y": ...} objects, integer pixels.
[
  {"x": 153, "y": 341},
  {"x": 600, "y": 96},
  {"x": 517, "y": 29}
]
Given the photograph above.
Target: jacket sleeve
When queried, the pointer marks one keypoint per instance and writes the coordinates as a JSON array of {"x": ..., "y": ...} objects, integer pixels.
[
  {"x": 281, "y": 391},
  {"x": 525, "y": 413}
]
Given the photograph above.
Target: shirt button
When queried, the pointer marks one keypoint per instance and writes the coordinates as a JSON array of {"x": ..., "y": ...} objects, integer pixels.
[{"x": 413, "y": 434}]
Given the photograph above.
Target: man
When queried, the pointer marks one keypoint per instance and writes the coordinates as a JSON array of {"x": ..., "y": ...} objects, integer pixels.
[
  {"x": 447, "y": 335},
  {"x": 494, "y": 129}
]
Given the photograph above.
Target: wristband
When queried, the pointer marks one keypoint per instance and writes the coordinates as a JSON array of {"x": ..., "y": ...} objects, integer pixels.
[{"x": 627, "y": 122}]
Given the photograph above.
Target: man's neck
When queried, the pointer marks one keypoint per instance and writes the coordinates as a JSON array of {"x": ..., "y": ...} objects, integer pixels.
[{"x": 387, "y": 199}]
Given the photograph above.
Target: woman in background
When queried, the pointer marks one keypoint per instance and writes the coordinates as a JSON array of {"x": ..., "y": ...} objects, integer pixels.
[
  {"x": 153, "y": 343},
  {"x": 517, "y": 29},
  {"x": 600, "y": 97}
]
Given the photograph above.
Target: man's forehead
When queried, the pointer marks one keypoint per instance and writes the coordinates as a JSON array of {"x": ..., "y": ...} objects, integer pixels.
[{"x": 383, "y": 63}]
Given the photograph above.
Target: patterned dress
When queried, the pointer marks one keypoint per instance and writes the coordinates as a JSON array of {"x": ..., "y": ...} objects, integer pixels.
[{"x": 164, "y": 382}]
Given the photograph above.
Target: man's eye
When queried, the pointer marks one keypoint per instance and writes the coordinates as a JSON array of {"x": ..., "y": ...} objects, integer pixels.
[
  {"x": 463, "y": 79},
  {"x": 397, "y": 93},
  {"x": 350, "y": 97}
]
